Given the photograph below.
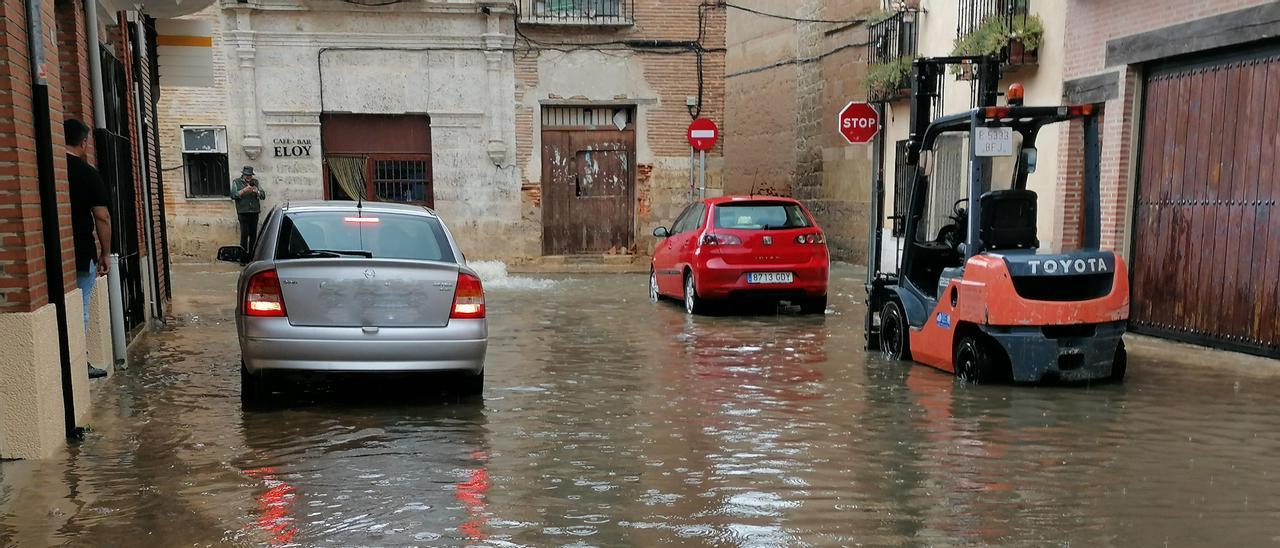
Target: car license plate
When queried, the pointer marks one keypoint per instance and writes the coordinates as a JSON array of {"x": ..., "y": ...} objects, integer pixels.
[{"x": 769, "y": 278}]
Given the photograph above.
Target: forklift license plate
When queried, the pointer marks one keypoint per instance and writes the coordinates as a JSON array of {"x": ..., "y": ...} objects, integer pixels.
[
  {"x": 993, "y": 141},
  {"x": 769, "y": 278}
]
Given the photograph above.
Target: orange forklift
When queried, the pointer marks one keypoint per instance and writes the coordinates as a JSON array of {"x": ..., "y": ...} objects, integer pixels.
[{"x": 973, "y": 293}]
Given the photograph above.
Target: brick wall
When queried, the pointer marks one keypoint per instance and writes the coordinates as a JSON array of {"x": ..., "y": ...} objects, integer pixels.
[
  {"x": 77, "y": 93},
  {"x": 23, "y": 285},
  {"x": 786, "y": 82},
  {"x": 141, "y": 137},
  {"x": 673, "y": 76},
  {"x": 667, "y": 77},
  {"x": 154, "y": 178},
  {"x": 197, "y": 225},
  {"x": 1090, "y": 24}
]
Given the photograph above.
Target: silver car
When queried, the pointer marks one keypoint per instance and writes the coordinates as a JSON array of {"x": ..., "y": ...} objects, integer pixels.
[{"x": 357, "y": 288}]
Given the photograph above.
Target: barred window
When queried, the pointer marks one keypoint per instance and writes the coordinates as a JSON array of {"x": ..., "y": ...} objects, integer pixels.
[{"x": 204, "y": 159}]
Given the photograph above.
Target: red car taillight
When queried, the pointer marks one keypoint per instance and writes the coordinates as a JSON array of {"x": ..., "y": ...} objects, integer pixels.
[
  {"x": 815, "y": 238},
  {"x": 468, "y": 298},
  {"x": 720, "y": 239},
  {"x": 263, "y": 297}
]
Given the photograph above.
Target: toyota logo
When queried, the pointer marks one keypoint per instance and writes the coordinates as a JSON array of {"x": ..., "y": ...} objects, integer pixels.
[{"x": 369, "y": 274}]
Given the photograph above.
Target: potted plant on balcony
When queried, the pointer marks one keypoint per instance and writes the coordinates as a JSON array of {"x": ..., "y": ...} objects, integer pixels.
[
  {"x": 1022, "y": 35},
  {"x": 888, "y": 81}
]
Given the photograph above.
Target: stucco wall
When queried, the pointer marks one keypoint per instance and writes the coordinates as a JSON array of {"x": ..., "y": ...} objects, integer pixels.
[
  {"x": 98, "y": 341},
  {"x": 31, "y": 425},
  {"x": 1043, "y": 86},
  {"x": 78, "y": 350},
  {"x": 477, "y": 198}
]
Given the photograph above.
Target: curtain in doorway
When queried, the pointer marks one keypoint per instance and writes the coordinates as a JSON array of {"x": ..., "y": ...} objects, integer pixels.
[{"x": 349, "y": 171}]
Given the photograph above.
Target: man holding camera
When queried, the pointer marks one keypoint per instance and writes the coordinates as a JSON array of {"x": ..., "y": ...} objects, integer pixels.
[{"x": 247, "y": 193}]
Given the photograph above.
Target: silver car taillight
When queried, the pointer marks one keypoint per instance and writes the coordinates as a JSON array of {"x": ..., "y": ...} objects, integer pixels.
[{"x": 263, "y": 296}]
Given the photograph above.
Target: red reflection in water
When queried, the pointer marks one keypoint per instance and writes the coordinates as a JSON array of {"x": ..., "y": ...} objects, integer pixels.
[
  {"x": 274, "y": 507},
  {"x": 967, "y": 457},
  {"x": 471, "y": 494}
]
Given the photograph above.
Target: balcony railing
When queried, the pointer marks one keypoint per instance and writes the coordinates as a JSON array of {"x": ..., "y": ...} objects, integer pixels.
[
  {"x": 893, "y": 46},
  {"x": 893, "y": 38},
  {"x": 578, "y": 12},
  {"x": 1007, "y": 16}
]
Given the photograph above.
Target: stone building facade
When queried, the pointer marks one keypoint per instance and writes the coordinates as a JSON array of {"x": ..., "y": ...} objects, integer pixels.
[
  {"x": 785, "y": 83},
  {"x": 534, "y": 128}
]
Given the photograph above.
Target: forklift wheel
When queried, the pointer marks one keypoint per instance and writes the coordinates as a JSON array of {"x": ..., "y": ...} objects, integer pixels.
[
  {"x": 894, "y": 344},
  {"x": 972, "y": 360},
  {"x": 1120, "y": 364}
]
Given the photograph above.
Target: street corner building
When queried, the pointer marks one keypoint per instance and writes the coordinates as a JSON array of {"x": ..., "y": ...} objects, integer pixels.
[
  {"x": 93, "y": 61},
  {"x": 536, "y": 127}
]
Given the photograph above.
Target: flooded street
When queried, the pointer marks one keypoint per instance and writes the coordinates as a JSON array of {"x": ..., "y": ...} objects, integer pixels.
[{"x": 609, "y": 421}]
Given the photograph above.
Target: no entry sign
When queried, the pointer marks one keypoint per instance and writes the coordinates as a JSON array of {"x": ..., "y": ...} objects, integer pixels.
[
  {"x": 858, "y": 122},
  {"x": 702, "y": 134}
]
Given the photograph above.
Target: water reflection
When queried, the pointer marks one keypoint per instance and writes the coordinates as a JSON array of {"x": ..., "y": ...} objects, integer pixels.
[
  {"x": 275, "y": 514},
  {"x": 609, "y": 421},
  {"x": 385, "y": 467}
]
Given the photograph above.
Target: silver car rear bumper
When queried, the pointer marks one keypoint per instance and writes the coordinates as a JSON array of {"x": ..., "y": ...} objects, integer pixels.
[{"x": 274, "y": 344}]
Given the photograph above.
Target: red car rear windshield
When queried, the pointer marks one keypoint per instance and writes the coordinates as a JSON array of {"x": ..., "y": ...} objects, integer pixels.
[
  {"x": 333, "y": 234},
  {"x": 760, "y": 216}
]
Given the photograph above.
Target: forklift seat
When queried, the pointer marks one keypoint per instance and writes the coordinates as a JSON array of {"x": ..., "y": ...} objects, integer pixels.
[{"x": 1008, "y": 220}]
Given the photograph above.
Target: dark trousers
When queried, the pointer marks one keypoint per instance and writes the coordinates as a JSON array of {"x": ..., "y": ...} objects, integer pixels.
[{"x": 248, "y": 231}]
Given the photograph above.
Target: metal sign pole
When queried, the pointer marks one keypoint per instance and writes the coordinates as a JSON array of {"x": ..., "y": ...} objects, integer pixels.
[
  {"x": 877, "y": 208},
  {"x": 691, "y": 162},
  {"x": 702, "y": 174}
]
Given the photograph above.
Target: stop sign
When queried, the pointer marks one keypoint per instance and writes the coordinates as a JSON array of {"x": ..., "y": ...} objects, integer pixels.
[
  {"x": 858, "y": 122},
  {"x": 702, "y": 134}
]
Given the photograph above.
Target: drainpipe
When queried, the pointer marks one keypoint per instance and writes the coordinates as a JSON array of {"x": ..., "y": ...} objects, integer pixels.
[
  {"x": 49, "y": 221},
  {"x": 95, "y": 63},
  {"x": 115, "y": 291},
  {"x": 137, "y": 18}
]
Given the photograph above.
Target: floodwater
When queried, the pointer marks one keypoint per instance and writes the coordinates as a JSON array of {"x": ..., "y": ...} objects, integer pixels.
[{"x": 609, "y": 421}]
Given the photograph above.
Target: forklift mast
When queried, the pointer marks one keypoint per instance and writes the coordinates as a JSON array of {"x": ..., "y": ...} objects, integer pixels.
[{"x": 926, "y": 76}]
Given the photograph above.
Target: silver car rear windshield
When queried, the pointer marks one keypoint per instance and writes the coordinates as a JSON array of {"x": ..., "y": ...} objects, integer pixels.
[
  {"x": 335, "y": 234},
  {"x": 760, "y": 216}
]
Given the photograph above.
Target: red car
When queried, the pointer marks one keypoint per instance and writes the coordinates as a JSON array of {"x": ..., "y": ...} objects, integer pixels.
[{"x": 741, "y": 248}]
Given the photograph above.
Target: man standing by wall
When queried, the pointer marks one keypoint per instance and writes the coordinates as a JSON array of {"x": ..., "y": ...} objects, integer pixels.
[
  {"x": 248, "y": 194},
  {"x": 89, "y": 214}
]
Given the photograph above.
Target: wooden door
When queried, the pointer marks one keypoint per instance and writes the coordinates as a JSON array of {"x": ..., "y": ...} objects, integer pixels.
[
  {"x": 588, "y": 190},
  {"x": 1206, "y": 263}
]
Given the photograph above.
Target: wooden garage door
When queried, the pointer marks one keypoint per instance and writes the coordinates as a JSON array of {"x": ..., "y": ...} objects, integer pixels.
[{"x": 1206, "y": 258}]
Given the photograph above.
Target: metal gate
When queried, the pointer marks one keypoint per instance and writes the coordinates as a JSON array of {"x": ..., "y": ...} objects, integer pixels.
[
  {"x": 1206, "y": 263},
  {"x": 588, "y": 180},
  {"x": 115, "y": 162}
]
